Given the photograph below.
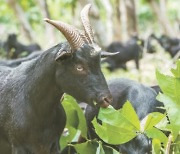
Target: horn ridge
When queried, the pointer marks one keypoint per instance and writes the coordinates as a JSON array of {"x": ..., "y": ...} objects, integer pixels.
[
  {"x": 86, "y": 23},
  {"x": 70, "y": 32}
]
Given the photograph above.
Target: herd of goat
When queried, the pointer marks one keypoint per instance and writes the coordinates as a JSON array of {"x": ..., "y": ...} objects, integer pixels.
[
  {"x": 32, "y": 119},
  {"x": 131, "y": 50}
]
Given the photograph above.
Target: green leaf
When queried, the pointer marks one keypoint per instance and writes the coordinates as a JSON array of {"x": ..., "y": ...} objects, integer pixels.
[
  {"x": 94, "y": 147},
  {"x": 75, "y": 121},
  {"x": 176, "y": 145},
  {"x": 162, "y": 125},
  {"x": 100, "y": 149},
  {"x": 65, "y": 139},
  {"x": 155, "y": 133},
  {"x": 109, "y": 150},
  {"x": 123, "y": 117},
  {"x": 113, "y": 134},
  {"x": 156, "y": 146},
  {"x": 173, "y": 113},
  {"x": 176, "y": 71},
  {"x": 153, "y": 119},
  {"x": 118, "y": 126},
  {"x": 170, "y": 86},
  {"x": 69, "y": 103},
  {"x": 130, "y": 114},
  {"x": 89, "y": 147}
]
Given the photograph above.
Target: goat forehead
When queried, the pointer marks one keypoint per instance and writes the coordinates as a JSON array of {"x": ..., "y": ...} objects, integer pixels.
[{"x": 86, "y": 57}]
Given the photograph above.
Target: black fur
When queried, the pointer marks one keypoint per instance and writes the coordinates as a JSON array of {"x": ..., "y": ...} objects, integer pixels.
[
  {"x": 31, "y": 117},
  {"x": 128, "y": 51}
]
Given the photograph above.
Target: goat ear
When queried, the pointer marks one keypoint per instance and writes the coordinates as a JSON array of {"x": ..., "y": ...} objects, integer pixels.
[
  {"x": 105, "y": 54},
  {"x": 61, "y": 55}
]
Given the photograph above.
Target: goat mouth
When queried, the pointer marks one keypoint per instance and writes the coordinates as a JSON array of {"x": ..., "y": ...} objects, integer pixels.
[{"x": 104, "y": 104}]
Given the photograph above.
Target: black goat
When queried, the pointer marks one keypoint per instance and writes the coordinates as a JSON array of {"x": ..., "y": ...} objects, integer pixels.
[
  {"x": 131, "y": 50},
  {"x": 16, "y": 62},
  {"x": 31, "y": 117},
  {"x": 14, "y": 48},
  {"x": 143, "y": 100},
  {"x": 171, "y": 45},
  {"x": 148, "y": 45}
]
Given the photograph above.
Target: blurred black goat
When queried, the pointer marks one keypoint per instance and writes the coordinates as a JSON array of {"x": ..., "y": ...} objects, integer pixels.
[
  {"x": 16, "y": 62},
  {"x": 130, "y": 50},
  {"x": 16, "y": 49},
  {"x": 171, "y": 45}
]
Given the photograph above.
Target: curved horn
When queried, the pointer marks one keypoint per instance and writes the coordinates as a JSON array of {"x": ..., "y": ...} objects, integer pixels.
[
  {"x": 84, "y": 37},
  {"x": 71, "y": 33},
  {"x": 106, "y": 54},
  {"x": 86, "y": 23}
]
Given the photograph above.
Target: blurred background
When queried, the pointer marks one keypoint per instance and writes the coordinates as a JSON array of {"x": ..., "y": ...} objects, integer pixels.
[{"x": 150, "y": 29}]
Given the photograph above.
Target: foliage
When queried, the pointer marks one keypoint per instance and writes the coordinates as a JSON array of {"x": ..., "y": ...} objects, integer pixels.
[
  {"x": 120, "y": 126},
  {"x": 75, "y": 124},
  {"x": 170, "y": 85}
]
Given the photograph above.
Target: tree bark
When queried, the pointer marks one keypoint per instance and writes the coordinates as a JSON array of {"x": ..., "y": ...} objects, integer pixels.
[
  {"x": 131, "y": 17},
  {"x": 109, "y": 20},
  {"x": 124, "y": 32},
  {"x": 160, "y": 11},
  {"x": 20, "y": 15},
  {"x": 117, "y": 22}
]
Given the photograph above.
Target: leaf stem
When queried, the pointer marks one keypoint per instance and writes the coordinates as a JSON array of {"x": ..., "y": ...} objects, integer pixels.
[{"x": 169, "y": 144}]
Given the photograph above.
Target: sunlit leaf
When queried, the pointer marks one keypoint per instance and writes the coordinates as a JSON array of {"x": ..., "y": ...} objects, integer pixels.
[
  {"x": 173, "y": 113},
  {"x": 89, "y": 147},
  {"x": 94, "y": 147},
  {"x": 122, "y": 118},
  {"x": 75, "y": 122},
  {"x": 156, "y": 146},
  {"x": 170, "y": 86},
  {"x": 113, "y": 134},
  {"x": 153, "y": 119},
  {"x": 156, "y": 134}
]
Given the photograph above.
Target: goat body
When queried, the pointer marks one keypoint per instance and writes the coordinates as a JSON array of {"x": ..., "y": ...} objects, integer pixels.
[{"x": 128, "y": 51}]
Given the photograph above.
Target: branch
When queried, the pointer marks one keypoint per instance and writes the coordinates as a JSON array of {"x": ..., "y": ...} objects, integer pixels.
[{"x": 169, "y": 144}]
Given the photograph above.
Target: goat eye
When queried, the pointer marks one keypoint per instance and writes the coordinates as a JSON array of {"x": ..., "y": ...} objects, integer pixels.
[{"x": 79, "y": 68}]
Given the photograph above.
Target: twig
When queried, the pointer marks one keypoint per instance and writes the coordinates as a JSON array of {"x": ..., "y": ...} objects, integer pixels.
[{"x": 168, "y": 144}]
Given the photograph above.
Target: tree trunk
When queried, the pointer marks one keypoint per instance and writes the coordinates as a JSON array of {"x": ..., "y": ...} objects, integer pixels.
[
  {"x": 109, "y": 20},
  {"x": 20, "y": 15},
  {"x": 131, "y": 17},
  {"x": 117, "y": 22},
  {"x": 49, "y": 30},
  {"x": 160, "y": 11},
  {"x": 123, "y": 21}
]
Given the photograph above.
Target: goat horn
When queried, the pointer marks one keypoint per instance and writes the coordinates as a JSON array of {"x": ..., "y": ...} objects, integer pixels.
[
  {"x": 86, "y": 24},
  {"x": 83, "y": 35},
  {"x": 71, "y": 33},
  {"x": 106, "y": 54}
]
